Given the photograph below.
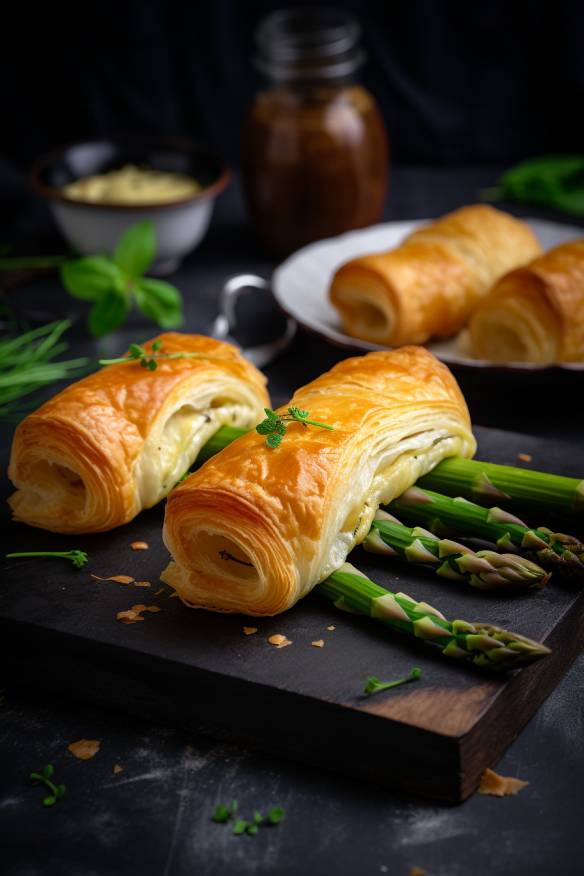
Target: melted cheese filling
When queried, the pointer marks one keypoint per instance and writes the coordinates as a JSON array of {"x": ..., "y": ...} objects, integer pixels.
[
  {"x": 381, "y": 479},
  {"x": 171, "y": 451}
]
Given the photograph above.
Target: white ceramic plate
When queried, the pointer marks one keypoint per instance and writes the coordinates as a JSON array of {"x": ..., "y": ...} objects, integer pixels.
[{"x": 300, "y": 285}]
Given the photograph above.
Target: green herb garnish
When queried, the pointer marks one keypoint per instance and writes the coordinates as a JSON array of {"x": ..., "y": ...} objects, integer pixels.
[
  {"x": 275, "y": 425},
  {"x": 114, "y": 283},
  {"x": 223, "y": 814},
  {"x": 57, "y": 792},
  {"x": 138, "y": 353},
  {"x": 78, "y": 558},
  {"x": 374, "y": 685},
  {"x": 550, "y": 180},
  {"x": 26, "y": 365}
]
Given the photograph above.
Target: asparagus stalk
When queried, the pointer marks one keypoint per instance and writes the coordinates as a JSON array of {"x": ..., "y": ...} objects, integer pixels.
[
  {"x": 484, "y": 645},
  {"x": 486, "y": 570},
  {"x": 554, "y": 550},
  {"x": 482, "y": 482},
  {"x": 487, "y": 484}
]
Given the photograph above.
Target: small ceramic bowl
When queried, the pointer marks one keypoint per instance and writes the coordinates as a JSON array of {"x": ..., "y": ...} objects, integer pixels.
[{"x": 92, "y": 228}]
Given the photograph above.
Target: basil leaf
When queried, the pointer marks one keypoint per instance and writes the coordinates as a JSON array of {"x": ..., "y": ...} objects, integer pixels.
[
  {"x": 108, "y": 313},
  {"x": 136, "y": 249},
  {"x": 552, "y": 181},
  {"x": 159, "y": 301},
  {"x": 89, "y": 278}
]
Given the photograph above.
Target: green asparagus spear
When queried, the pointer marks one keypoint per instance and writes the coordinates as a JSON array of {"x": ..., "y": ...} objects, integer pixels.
[
  {"x": 486, "y": 570},
  {"x": 482, "y": 644},
  {"x": 441, "y": 514},
  {"x": 488, "y": 484}
]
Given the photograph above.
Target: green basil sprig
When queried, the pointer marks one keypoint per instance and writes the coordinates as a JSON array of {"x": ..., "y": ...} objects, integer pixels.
[{"x": 114, "y": 283}]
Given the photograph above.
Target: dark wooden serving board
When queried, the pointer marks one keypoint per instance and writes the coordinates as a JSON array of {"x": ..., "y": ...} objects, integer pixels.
[{"x": 58, "y": 629}]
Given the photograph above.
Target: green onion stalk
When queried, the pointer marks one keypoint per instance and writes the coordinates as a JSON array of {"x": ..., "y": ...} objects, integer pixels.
[
  {"x": 481, "y": 644},
  {"x": 485, "y": 570},
  {"x": 555, "y": 551},
  {"x": 481, "y": 482}
]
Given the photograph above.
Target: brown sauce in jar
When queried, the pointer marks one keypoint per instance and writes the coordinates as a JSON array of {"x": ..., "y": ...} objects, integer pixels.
[{"x": 315, "y": 163}]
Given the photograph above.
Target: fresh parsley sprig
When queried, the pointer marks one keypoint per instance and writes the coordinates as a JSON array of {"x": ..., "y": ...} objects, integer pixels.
[
  {"x": 138, "y": 353},
  {"x": 223, "y": 814},
  {"x": 374, "y": 685},
  {"x": 57, "y": 792},
  {"x": 274, "y": 427},
  {"x": 78, "y": 558},
  {"x": 115, "y": 283}
]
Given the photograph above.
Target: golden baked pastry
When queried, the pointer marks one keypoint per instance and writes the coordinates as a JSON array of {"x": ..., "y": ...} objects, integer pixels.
[
  {"x": 535, "y": 313},
  {"x": 117, "y": 441},
  {"x": 429, "y": 285},
  {"x": 255, "y": 529}
]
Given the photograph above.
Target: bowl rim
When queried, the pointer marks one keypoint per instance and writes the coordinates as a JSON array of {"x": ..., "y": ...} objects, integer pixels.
[{"x": 178, "y": 144}]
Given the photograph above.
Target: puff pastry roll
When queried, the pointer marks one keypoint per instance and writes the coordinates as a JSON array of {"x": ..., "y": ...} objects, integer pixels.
[
  {"x": 117, "y": 441},
  {"x": 431, "y": 283},
  {"x": 255, "y": 529},
  {"x": 535, "y": 313}
]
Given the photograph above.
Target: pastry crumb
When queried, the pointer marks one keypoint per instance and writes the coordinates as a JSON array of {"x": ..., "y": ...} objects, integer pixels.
[
  {"x": 142, "y": 584},
  {"x": 117, "y": 769},
  {"x": 140, "y": 546},
  {"x": 84, "y": 749},
  {"x": 249, "y": 631},
  {"x": 331, "y": 628},
  {"x": 119, "y": 579},
  {"x": 279, "y": 641},
  {"x": 500, "y": 786},
  {"x": 525, "y": 457},
  {"x": 159, "y": 591},
  {"x": 172, "y": 595},
  {"x": 134, "y": 615},
  {"x": 318, "y": 644}
]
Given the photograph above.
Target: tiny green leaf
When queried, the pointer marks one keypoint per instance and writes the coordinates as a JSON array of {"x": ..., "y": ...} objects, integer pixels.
[
  {"x": 48, "y": 771},
  {"x": 274, "y": 441},
  {"x": 257, "y": 817},
  {"x": 266, "y": 427},
  {"x": 50, "y": 800},
  {"x": 61, "y": 789},
  {"x": 272, "y": 415},
  {"x": 136, "y": 249},
  {"x": 233, "y": 807},
  {"x": 252, "y": 829},
  {"x": 156, "y": 345},
  {"x": 275, "y": 815},
  {"x": 375, "y": 685},
  {"x": 239, "y": 826},
  {"x": 90, "y": 278},
  {"x": 160, "y": 302},
  {"x": 108, "y": 313},
  {"x": 221, "y": 814}
]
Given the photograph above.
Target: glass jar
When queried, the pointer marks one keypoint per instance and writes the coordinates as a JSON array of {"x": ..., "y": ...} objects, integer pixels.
[{"x": 315, "y": 152}]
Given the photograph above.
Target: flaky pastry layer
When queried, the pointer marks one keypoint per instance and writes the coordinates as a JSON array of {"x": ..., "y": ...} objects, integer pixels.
[
  {"x": 116, "y": 442},
  {"x": 535, "y": 313},
  {"x": 429, "y": 285},
  {"x": 255, "y": 529}
]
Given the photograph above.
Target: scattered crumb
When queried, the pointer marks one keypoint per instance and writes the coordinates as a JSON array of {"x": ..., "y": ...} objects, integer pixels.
[
  {"x": 172, "y": 595},
  {"x": 85, "y": 749},
  {"x": 249, "y": 631},
  {"x": 117, "y": 769},
  {"x": 142, "y": 584},
  {"x": 500, "y": 786},
  {"x": 418, "y": 871},
  {"x": 134, "y": 615},
  {"x": 139, "y": 545},
  {"x": 318, "y": 644},
  {"x": 525, "y": 457},
  {"x": 119, "y": 579},
  {"x": 279, "y": 641},
  {"x": 159, "y": 591},
  {"x": 331, "y": 628}
]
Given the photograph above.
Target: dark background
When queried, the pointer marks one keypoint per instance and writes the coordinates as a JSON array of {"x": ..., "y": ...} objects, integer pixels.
[{"x": 457, "y": 82}]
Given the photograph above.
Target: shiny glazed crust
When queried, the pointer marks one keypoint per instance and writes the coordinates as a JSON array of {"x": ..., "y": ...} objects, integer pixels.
[
  {"x": 116, "y": 442},
  {"x": 429, "y": 286},
  {"x": 535, "y": 313},
  {"x": 255, "y": 529}
]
